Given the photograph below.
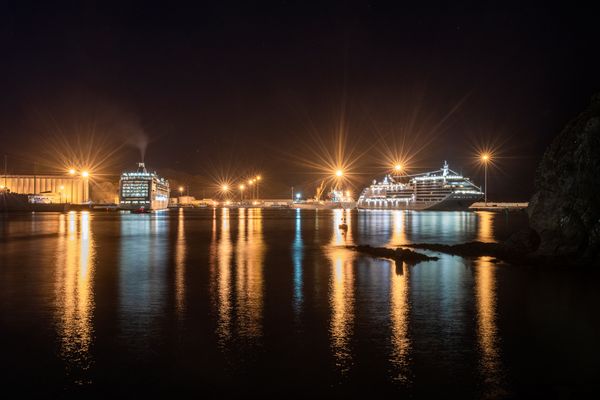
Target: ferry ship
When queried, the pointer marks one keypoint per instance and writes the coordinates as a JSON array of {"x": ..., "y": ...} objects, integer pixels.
[
  {"x": 443, "y": 190},
  {"x": 143, "y": 191}
]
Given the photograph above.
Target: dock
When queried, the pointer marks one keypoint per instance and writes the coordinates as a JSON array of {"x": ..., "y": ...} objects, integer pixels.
[{"x": 481, "y": 206}]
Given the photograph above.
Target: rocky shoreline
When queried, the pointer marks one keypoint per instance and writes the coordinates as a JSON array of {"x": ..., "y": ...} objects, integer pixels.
[{"x": 564, "y": 212}]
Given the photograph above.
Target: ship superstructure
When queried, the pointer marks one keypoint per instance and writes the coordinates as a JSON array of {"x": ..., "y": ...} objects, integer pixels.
[
  {"x": 443, "y": 189},
  {"x": 143, "y": 191}
]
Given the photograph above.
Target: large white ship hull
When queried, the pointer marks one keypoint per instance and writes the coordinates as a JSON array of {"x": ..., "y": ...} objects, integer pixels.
[
  {"x": 151, "y": 206},
  {"x": 451, "y": 203}
]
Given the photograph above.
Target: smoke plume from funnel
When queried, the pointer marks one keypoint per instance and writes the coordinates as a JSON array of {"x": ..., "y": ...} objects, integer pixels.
[
  {"x": 140, "y": 140},
  {"x": 135, "y": 136}
]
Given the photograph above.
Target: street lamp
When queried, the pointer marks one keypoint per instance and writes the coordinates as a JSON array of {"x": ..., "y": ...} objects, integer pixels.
[
  {"x": 338, "y": 174},
  {"x": 242, "y": 187},
  {"x": 85, "y": 175},
  {"x": 72, "y": 173},
  {"x": 398, "y": 168},
  {"x": 250, "y": 183},
  {"x": 224, "y": 190},
  {"x": 485, "y": 158}
]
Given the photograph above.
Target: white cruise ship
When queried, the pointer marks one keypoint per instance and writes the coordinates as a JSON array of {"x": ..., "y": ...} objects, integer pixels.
[{"x": 443, "y": 189}]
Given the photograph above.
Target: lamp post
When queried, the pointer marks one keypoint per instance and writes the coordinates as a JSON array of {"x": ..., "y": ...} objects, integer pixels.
[
  {"x": 242, "y": 187},
  {"x": 250, "y": 183},
  {"x": 72, "y": 173},
  {"x": 258, "y": 178},
  {"x": 85, "y": 175},
  {"x": 485, "y": 158}
]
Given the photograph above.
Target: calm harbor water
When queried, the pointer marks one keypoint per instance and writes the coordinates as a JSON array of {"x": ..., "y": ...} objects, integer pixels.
[{"x": 270, "y": 302}]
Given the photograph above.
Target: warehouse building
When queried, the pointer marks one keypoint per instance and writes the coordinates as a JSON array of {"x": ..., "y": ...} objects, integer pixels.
[{"x": 57, "y": 188}]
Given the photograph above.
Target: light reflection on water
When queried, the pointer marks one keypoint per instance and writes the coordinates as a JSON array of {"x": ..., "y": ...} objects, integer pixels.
[
  {"x": 142, "y": 276},
  {"x": 434, "y": 308},
  {"x": 399, "y": 309},
  {"x": 220, "y": 261},
  {"x": 237, "y": 275},
  {"x": 341, "y": 288},
  {"x": 297, "y": 252},
  {"x": 249, "y": 254},
  {"x": 180, "y": 252},
  {"x": 485, "y": 227},
  {"x": 74, "y": 293},
  {"x": 490, "y": 363},
  {"x": 398, "y": 229},
  {"x": 376, "y": 227}
]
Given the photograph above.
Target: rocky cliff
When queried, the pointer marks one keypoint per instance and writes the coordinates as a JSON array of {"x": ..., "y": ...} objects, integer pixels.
[{"x": 565, "y": 209}]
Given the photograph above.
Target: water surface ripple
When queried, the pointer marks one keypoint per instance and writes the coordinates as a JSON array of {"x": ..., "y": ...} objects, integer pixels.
[{"x": 232, "y": 302}]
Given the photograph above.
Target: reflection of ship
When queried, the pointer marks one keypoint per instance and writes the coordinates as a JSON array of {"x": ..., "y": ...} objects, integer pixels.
[
  {"x": 23, "y": 202},
  {"x": 443, "y": 189},
  {"x": 143, "y": 191},
  {"x": 335, "y": 199}
]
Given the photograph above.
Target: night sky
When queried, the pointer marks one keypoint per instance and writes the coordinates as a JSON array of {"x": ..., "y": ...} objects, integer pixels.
[{"x": 225, "y": 89}]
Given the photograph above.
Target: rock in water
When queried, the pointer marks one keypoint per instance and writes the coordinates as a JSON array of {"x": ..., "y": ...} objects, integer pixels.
[
  {"x": 565, "y": 209},
  {"x": 399, "y": 255}
]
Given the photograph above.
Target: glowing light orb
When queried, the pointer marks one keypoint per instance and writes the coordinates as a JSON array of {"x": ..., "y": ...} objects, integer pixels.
[
  {"x": 85, "y": 174},
  {"x": 339, "y": 173},
  {"x": 398, "y": 167}
]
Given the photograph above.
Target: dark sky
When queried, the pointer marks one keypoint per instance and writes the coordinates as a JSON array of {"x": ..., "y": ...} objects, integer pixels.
[{"x": 231, "y": 88}]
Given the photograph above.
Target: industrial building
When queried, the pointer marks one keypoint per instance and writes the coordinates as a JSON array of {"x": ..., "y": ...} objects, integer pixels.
[{"x": 57, "y": 188}]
